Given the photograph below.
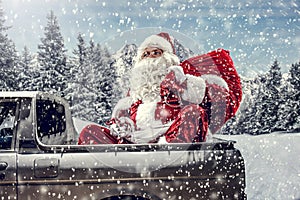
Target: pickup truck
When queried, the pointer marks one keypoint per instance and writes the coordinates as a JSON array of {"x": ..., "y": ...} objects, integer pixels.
[{"x": 40, "y": 159}]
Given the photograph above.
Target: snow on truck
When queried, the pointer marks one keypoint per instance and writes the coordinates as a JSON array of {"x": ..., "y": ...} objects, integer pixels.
[{"x": 40, "y": 159}]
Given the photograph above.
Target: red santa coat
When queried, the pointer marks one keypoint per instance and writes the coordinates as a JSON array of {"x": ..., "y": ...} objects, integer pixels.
[{"x": 189, "y": 120}]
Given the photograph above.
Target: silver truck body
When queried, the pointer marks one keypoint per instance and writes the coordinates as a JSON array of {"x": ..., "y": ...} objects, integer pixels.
[{"x": 46, "y": 163}]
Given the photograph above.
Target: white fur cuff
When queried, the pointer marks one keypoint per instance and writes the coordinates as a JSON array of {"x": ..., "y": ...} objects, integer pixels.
[
  {"x": 195, "y": 90},
  {"x": 179, "y": 74}
]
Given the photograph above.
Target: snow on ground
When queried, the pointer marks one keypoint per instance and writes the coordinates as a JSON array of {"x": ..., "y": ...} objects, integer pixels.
[{"x": 272, "y": 165}]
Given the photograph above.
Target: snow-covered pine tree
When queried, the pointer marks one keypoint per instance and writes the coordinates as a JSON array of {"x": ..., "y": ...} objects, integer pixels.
[
  {"x": 27, "y": 73},
  {"x": 122, "y": 65},
  {"x": 245, "y": 122},
  {"x": 89, "y": 87},
  {"x": 267, "y": 102},
  {"x": 8, "y": 58},
  {"x": 258, "y": 113},
  {"x": 294, "y": 78},
  {"x": 81, "y": 51},
  {"x": 289, "y": 111},
  {"x": 83, "y": 95},
  {"x": 52, "y": 58},
  {"x": 93, "y": 82},
  {"x": 295, "y": 82},
  {"x": 76, "y": 62},
  {"x": 104, "y": 84},
  {"x": 248, "y": 122}
]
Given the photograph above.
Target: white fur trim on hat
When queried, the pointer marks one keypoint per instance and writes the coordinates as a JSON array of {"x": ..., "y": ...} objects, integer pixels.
[{"x": 158, "y": 42}]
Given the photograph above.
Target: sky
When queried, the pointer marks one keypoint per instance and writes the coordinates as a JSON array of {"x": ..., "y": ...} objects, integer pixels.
[{"x": 256, "y": 32}]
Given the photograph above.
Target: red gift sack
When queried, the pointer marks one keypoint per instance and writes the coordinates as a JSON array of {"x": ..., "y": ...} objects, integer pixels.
[{"x": 222, "y": 104}]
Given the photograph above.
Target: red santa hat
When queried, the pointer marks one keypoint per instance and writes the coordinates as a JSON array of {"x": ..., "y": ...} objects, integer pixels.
[{"x": 162, "y": 41}]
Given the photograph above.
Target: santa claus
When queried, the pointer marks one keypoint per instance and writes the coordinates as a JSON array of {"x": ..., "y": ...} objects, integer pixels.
[{"x": 169, "y": 101}]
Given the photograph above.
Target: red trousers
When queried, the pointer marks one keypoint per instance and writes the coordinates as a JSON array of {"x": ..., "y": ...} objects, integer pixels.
[{"x": 190, "y": 125}]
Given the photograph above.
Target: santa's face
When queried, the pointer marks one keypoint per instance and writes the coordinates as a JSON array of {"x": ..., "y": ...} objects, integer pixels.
[{"x": 148, "y": 72}]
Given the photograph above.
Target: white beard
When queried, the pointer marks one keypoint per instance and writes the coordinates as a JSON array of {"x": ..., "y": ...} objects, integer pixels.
[
  {"x": 147, "y": 75},
  {"x": 145, "y": 79}
]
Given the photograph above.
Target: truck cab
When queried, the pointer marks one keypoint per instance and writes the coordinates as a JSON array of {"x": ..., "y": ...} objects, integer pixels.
[{"x": 40, "y": 159}]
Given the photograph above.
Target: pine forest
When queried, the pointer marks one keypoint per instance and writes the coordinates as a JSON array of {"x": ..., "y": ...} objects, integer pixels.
[{"x": 92, "y": 80}]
